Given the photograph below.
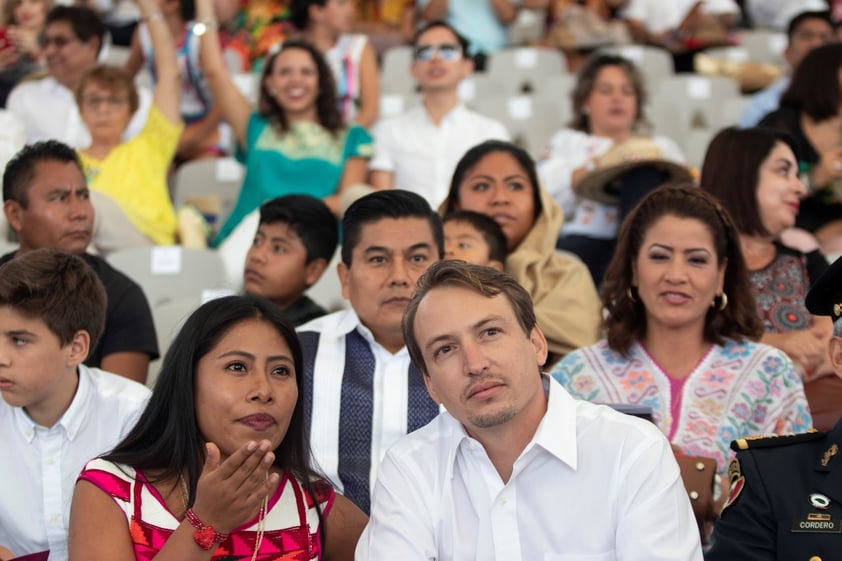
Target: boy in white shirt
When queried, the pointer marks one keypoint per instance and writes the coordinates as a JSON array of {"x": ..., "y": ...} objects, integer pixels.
[{"x": 55, "y": 413}]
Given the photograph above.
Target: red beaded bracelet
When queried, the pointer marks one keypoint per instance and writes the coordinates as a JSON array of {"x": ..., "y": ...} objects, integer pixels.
[{"x": 204, "y": 536}]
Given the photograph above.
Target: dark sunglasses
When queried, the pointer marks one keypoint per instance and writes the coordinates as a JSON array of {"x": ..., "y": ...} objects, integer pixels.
[
  {"x": 446, "y": 51},
  {"x": 58, "y": 40}
]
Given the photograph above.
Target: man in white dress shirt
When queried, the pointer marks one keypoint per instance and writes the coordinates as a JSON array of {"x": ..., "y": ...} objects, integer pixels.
[
  {"x": 73, "y": 38},
  {"x": 419, "y": 150},
  {"x": 516, "y": 469},
  {"x": 363, "y": 394}
]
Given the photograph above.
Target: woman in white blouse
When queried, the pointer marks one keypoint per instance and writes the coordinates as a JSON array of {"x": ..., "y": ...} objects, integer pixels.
[{"x": 608, "y": 102}]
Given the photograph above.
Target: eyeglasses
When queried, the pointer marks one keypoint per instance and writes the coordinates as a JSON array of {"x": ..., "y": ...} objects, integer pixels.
[
  {"x": 111, "y": 101},
  {"x": 446, "y": 51},
  {"x": 58, "y": 40}
]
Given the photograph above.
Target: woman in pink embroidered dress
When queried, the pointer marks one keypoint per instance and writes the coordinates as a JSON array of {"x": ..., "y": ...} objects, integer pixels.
[
  {"x": 681, "y": 332},
  {"x": 218, "y": 465}
]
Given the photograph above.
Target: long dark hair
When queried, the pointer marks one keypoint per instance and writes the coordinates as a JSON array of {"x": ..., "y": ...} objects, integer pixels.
[
  {"x": 327, "y": 106},
  {"x": 166, "y": 438}
]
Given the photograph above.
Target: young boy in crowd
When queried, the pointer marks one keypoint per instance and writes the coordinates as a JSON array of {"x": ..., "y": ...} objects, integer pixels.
[
  {"x": 475, "y": 238},
  {"x": 295, "y": 241},
  {"x": 55, "y": 413}
]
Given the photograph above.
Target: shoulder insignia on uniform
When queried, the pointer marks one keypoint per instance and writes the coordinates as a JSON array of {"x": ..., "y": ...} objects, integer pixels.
[
  {"x": 760, "y": 441},
  {"x": 736, "y": 487},
  {"x": 828, "y": 454},
  {"x": 734, "y": 471}
]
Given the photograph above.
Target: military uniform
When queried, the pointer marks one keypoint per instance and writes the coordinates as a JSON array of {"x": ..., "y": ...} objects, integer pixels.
[{"x": 785, "y": 501}]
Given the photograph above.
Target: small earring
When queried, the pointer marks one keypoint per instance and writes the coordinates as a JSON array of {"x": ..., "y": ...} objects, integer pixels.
[
  {"x": 630, "y": 294},
  {"x": 723, "y": 302}
]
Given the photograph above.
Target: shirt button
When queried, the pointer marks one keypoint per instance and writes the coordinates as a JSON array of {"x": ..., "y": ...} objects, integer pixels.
[
  {"x": 502, "y": 501},
  {"x": 51, "y": 461}
]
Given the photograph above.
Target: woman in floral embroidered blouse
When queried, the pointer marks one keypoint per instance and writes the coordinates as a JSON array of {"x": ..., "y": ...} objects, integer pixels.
[{"x": 681, "y": 331}]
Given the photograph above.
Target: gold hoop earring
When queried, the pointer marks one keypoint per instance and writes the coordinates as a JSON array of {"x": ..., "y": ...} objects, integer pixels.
[
  {"x": 631, "y": 296},
  {"x": 723, "y": 302}
]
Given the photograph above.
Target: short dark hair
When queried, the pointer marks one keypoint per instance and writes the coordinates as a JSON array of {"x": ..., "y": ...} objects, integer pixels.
[
  {"x": 309, "y": 218},
  {"x": 393, "y": 203},
  {"x": 327, "y": 105},
  {"x": 473, "y": 156},
  {"x": 586, "y": 79},
  {"x": 487, "y": 227},
  {"x": 731, "y": 171},
  {"x": 166, "y": 438},
  {"x": 625, "y": 322},
  {"x": 476, "y": 278},
  {"x": 299, "y": 12},
  {"x": 814, "y": 88},
  {"x": 20, "y": 171},
  {"x": 58, "y": 288},
  {"x": 800, "y": 18},
  {"x": 86, "y": 24},
  {"x": 463, "y": 43},
  {"x": 111, "y": 78}
]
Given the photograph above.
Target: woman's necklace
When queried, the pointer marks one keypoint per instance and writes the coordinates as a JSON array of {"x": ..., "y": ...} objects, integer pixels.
[{"x": 261, "y": 516}]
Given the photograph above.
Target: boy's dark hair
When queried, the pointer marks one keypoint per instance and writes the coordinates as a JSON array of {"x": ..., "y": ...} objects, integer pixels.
[
  {"x": 485, "y": 225},
  {"x": 463, "y": 43},
  {"x": 394, "y": 203},
  {"x": 20, "y": 171},
  {"x": 58, "y": 288},
  {"x": 309, "y": 218},
  {"x": 795, "y": 22},
  {"x": 86, "y": 24}
]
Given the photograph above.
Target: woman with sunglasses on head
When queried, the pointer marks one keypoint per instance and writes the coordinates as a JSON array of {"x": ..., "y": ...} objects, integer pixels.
[
  {"x": 218, "y": 465},
  {"x": 294, "y": 142},
  {"x": 132, "y": 201}
]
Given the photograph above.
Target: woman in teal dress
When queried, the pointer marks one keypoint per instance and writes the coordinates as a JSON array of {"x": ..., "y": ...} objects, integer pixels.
[{"x": 294, "y": 142}]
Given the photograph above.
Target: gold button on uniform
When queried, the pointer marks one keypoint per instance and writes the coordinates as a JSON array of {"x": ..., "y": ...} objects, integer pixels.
[{"x": 815, "y": 558}]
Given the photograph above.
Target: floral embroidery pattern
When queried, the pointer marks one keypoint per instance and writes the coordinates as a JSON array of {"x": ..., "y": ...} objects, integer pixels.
[{"x": 737, "y": 390}]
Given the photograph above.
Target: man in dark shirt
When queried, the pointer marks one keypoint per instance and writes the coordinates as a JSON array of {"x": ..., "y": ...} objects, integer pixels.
[{"x": 47, "y": 204}]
